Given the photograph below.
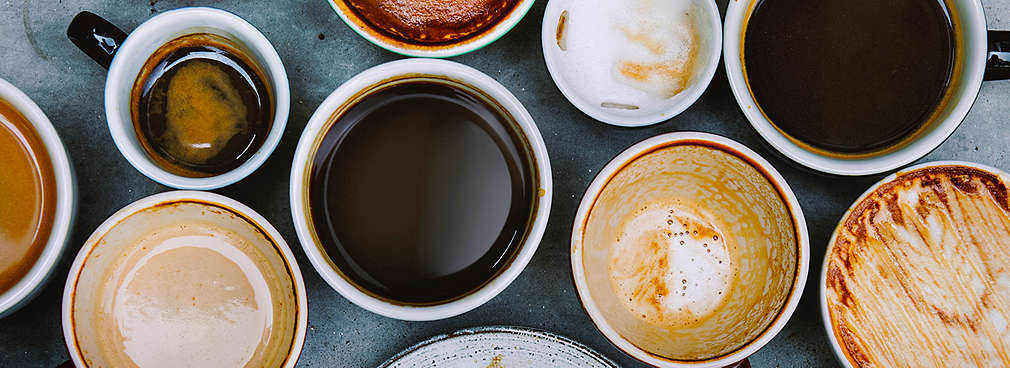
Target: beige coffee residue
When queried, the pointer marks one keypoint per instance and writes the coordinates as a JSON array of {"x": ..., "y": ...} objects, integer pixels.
[
  {"x": 204, "y": 112},
  {"x": 919, "y": 275}
]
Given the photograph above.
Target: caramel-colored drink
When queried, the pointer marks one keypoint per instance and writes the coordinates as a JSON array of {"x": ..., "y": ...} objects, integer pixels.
[
  {"x": 919, "y": 273},
  {"x": 431, "y": 21},
  {"x": 27, "y": 196}
]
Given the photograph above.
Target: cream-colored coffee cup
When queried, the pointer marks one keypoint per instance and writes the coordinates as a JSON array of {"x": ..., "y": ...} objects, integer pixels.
[
  {"x": 185, "y": 279},
  {"x": 689, "y": 250}
]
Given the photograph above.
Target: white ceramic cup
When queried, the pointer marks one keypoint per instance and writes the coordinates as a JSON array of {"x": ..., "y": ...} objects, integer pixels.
[
  {"x": 66, "y": 202},
  {"x": 484, "y": 38},
  {"x": 82, "y": 294},
  {"x": 709, "y": 28},
  {"x": 320, "y": 123},
  {"x": 131, "y": 55},
  {"x": 970, "y": 26},
  {"x": 595, "y": 307}
]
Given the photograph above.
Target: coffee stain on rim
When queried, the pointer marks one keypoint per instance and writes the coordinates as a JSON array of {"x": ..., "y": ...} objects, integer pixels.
[
  {"x": 782, "y": 196},
  {"x": 511, "y": 122},
  {"x": 929, "y": 124},
  {"x": 175, "y": 203}
]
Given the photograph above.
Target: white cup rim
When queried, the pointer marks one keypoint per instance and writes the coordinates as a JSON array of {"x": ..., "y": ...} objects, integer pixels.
[
  {"x": 973, "y": 68},
  {"x": 486, "y": 38},
  {"x": 318, "y": 122},
  {"x": 578, "y": 271},
  {"x": 123, "y": 133},
  {"x": 301, "y": 323},
  {"x": 66, "y": 202},
  {"x": 822, "y": 297},
  {"x": 684, "y": 99}
]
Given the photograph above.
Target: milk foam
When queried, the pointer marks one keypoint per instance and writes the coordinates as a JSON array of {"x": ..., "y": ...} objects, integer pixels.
[
  {"x": 670, "y": 266},
  {"x": 629, "y": 54}
]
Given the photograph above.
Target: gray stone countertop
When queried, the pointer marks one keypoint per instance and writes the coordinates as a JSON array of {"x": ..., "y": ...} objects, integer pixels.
[{"x": 320, "y": 53}]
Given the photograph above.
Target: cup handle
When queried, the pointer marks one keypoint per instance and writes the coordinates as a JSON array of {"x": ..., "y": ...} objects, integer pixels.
[
  {"x": 741, "y": 364},
  {"x": 96, "y": 37},
  {"x": 997, "y": 64}
]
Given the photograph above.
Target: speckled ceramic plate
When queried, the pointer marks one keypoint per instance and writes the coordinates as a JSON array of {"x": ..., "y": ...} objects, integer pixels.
[{"x": 499, "y": 347}]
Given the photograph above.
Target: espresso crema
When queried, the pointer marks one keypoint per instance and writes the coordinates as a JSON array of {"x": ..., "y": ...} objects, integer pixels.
[
  {"x": 428, "y": 22},
  {"x": 919, "y": 273}
]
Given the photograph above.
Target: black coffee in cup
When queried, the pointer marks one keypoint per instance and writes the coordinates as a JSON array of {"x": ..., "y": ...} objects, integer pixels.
[
  {"x": 422, "y": 190},
  {"x": 850, "y": 77}
]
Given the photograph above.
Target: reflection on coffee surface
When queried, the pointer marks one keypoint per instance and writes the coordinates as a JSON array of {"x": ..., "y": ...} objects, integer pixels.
[
  {"x": 200, "y": 106},
  {"x": 431, "y": 21},
  {"x": 690, "y": 251},
  {"x": 919, "y": 273},
  {"x": 27, "y": 196},
  {"x": 849, "y": 76},
  {"x": 421, "y": 191}
]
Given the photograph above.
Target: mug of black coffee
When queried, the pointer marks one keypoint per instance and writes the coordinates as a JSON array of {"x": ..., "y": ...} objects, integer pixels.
[
  {"x": 859, "y": 87},
  {"x": 196, "y": 98}
]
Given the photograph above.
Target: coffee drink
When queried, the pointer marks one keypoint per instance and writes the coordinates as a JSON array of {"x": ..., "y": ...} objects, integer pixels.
[
  {"x": 200, "y": 107},
  {"x": 28, "y": 207},
  {"x": 690, "y": 251},
  {"x": 430, "y": 22},
  {"x": 917, "y": 271},
  {"x": 850, "y": 77},
  {"x": 185, "y": 284},
  {"x": 422, "y": 190}
]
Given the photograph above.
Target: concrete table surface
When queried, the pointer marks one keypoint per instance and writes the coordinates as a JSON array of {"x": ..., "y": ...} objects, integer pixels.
[{"x": 320, "y": 53}]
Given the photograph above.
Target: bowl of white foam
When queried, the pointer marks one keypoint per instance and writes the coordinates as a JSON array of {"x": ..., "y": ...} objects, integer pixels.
[{"x": 632, "y": 62}]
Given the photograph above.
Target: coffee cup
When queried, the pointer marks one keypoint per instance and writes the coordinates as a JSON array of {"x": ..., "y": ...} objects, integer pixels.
[
  {"x": 183, "y": 134},
  {"x": 689, "y": 250},
  {"x": 420, "y": 189},
  {"x": 37, "y": 215},
  {"x": 185, "y": 279},
  {"x": 874, "y": 109},
  {"x": 914, "y": 273},
  {"x": 431, "y": 28},
  {"x": 631, "y": 63}
]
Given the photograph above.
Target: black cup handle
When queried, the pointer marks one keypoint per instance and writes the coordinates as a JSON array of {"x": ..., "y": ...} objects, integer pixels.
[
  {"x": 96, "y": 37},
  {"x": 997, "y": 64}
]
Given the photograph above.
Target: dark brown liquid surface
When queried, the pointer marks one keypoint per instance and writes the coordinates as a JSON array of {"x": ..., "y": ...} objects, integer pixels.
[
  {"x": 849, "y": 76},
  {"x": 200, "y": 107},
  {"x": 431, "y": 21},
  {"x": 421, "y": 192}
]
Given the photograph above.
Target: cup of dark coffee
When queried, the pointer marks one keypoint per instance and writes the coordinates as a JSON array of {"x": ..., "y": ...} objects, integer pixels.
[
  {"x": 196, "y": 98},
  {"x": 858, "y": 87},
  {"x": 420, "y": 189}
]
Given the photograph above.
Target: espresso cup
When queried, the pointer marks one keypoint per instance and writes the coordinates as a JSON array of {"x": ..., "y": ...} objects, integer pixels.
[
  {"x": 969, "y": 54},
  {"x": 689, "y": 250},
  {"x": 431, "y": 28},
  {"x": 185, "y": 279},
  {"x": 370, "y": 272},
  {"x": 127, "y": 57},
  {"x": 624, "y": 63},
  {"x": 915, "y": 272},
  {"x": 30, "y": 274}
]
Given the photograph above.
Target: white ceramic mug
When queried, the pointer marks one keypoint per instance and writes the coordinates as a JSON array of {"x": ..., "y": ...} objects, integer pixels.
[
  {"x": 92, "y": 297},
  {"x": 440, "y": 50},
  {"x": 657, "y": 182},
  {"x": 320, "y": 123},
  {"x": 970, "y": 28},
  {"x": 66, "y": 201},
  {"x": 125, "y": 57}
]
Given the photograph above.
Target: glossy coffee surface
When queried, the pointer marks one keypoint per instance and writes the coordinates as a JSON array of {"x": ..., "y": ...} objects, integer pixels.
[
  {"x": 200, "y": 106},
  {"x": 431, "y": 22},
  {"x": 849, "y": 76},
  {"x": 421, "y": 192},
  {"x": 919, "y": 273},
  {"x": 689, "y": 251},
  {"x": 27, "y": 196}
]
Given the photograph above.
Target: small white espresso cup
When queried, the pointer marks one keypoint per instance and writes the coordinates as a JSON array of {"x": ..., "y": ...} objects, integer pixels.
[
  {"x": 337, "y": 103},
  {"x": 66, "y": 201},
  {"x": 125, "y": 57},
  {"x": 970, "y": 29}
]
